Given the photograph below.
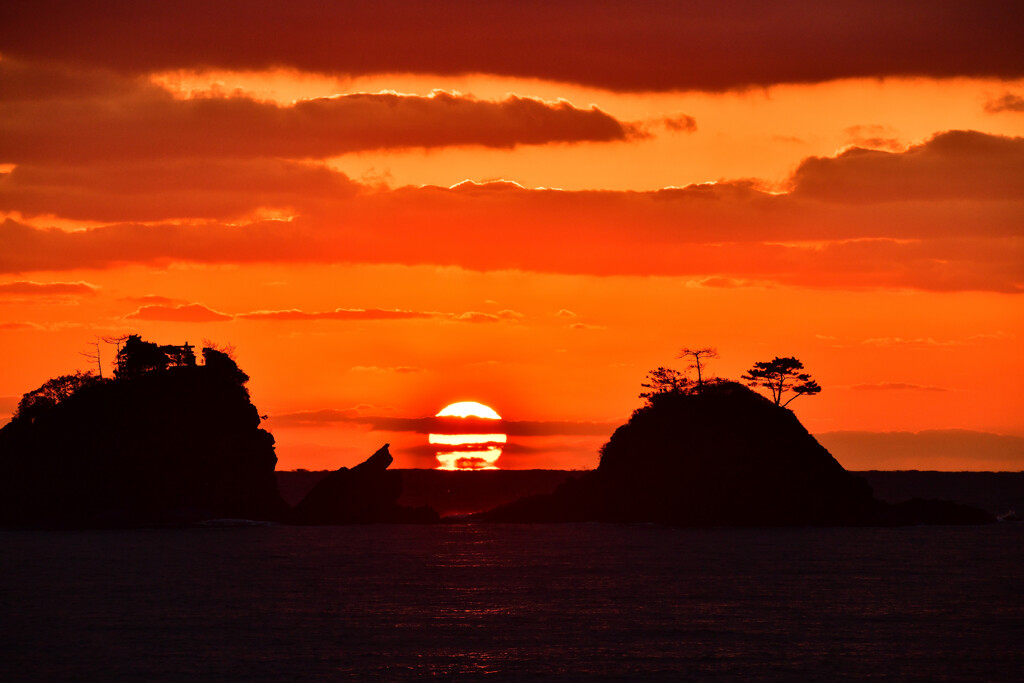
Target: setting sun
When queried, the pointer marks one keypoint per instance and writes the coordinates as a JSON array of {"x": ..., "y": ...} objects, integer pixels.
[
  {"x": 469, "y": 409},
  {"x": 461, "y": 451}
]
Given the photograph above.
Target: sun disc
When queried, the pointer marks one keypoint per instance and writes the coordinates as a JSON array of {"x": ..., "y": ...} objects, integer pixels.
[
  {"x": 460, "y": 451},
  {"x": 469, "y": 409}
]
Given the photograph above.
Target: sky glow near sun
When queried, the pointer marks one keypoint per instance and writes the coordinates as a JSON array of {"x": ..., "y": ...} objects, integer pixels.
[{"x": 364, "y": 215}]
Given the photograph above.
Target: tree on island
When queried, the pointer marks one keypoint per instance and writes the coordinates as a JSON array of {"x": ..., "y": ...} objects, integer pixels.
[
  {"x": 135, "y": 357},
  {"x": 780, "y": 375},
  {"x": 222, "y": 363},
  {"x": 700, "y": 358},
  {"x": 663, "y": 381},
  {"x": 94, "y": 357},
  {"x": 53, "y": 391}
]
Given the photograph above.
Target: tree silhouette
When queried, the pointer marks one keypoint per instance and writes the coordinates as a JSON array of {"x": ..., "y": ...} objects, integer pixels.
[
  {"x": 223, "y": 364},
  {"x": 700, "y": 359},
  {"x": 94, "y": 357},
  {"x": 52, "y": 392},
  {"x": 226, "y": 349},
  {"x": 663, "y": 381},
  {"x": 117, "y": 341},
  {"x": 780, "y": 375}
]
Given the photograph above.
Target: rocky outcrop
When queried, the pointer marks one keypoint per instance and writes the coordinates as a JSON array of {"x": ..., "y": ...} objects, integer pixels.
[
  {"x": 365, "y": 493},
  {"x": 169, "y": 446},
  {"x": 719, "y": 455}
]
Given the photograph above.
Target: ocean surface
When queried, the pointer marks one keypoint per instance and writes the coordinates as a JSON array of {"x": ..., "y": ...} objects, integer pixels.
[{"x": 511, "y": 602}]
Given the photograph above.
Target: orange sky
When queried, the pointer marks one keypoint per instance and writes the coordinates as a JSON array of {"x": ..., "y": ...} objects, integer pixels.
[{"x": 391, "y": 209}]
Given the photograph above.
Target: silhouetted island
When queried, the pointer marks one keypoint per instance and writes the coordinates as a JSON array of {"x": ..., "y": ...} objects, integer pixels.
[
  {"x": 171, "y": 441},
  {"x": 167, "y": 441},
  {"x": 715, "y": 454}
]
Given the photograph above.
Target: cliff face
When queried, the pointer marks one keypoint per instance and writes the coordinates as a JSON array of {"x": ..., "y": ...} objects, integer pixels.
[
  {"x": 170, "y": 446},
  {"x": 721, "y": 456}
]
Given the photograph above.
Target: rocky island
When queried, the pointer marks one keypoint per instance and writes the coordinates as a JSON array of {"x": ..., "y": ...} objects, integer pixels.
[
  {"x": 168, "y": 441},
  {"x": 720, "y": 454}
]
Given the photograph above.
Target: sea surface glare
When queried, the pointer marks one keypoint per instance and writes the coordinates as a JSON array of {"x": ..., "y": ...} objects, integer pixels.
[{"x": 512, "y": 602}]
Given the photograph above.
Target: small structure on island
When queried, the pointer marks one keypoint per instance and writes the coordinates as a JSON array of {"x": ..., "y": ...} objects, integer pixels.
[{"x": 137, "y": 357}]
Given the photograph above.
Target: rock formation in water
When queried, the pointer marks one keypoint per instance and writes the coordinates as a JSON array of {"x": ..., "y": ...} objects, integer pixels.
[
  {"x": 719, "y": 454},
  {"x": 366, "y": 493},
  {"x": 168, "y": 441}
]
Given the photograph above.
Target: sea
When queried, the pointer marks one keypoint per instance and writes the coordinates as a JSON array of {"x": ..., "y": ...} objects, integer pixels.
[{"x": 594, "y": 602}]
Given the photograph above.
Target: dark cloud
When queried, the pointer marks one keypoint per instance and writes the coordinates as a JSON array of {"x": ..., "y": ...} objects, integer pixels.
[
  {"x": 895, "y": 386},
  {"x": 315, "y": 417},
  {"x": 336, "y": 314},
  {"x": 148, "y": 123},
  {"x": 508, "y": 314},
  {"x": 175, "y": 189},
  {"x": 1008, "y": 102},
  {"x": 920, "y": 342},
  {"x": 164, "y": 309},
  {"x": 379, "y": 314},
  {"x": 725, "y": 282},
  {"x": 874, "y": 136},
  {"x": 184, "y": 313},
  {"x": 153, "y": 299},
  {"x": 20, "y": 326},
  {"x": 194, "y": 312},
  {"x": 944, "y": 215},
  {"x": 952, "y": 165},
  {"x": 679, "y": 123},
  {"x": 448, "y": 425},
  {"x": 47, "y": 289},
  {"x": 477, "y": 317},
  {"x": 400, "y": 369},
  {"x": 643, "y": 45},
  {"x": 510, "y": 451},
  {"x": 558, "y": 428},
  {"x": 25, "y": 84}
]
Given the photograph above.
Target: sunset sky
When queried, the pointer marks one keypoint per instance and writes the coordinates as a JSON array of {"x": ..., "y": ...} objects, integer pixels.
[{"x": 390, "y": 208}]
